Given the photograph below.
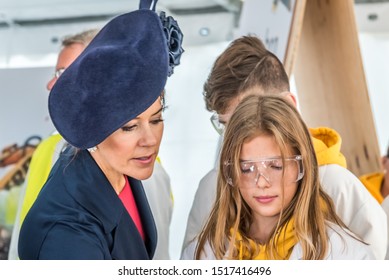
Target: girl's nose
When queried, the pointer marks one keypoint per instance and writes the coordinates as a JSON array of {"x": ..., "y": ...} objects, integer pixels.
[{"x": 262, "y": 181}]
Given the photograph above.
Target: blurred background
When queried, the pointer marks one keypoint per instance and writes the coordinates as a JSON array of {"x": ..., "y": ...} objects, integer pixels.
[{"x": 30, "y": 37}]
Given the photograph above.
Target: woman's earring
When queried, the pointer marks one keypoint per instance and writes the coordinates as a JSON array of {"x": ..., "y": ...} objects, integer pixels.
[
  {"x": 162, "y": 99},
  {"x": 92, "y": 150}
]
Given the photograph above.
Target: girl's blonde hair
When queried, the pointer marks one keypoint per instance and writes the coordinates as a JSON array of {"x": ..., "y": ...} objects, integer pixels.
[{"x": 310, "y": 207}]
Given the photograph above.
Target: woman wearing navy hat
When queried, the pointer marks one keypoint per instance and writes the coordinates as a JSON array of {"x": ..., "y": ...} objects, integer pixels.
[{"x": 108, "y": 105}]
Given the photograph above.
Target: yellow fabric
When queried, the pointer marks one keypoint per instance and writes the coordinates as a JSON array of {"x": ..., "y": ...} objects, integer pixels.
[
  {"x": 286, "y": 241},
  {"x": 39, "y": 170},
  {"x": 373, "y": 183},
  {"x": 327, "y": 143}
]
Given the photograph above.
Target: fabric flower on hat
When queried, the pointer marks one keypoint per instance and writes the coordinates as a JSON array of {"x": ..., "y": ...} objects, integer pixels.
[{"x": 174, "y": 39}]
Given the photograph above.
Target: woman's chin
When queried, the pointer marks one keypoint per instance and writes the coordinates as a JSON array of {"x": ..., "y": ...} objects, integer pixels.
[{"x": 143, "y": 175}]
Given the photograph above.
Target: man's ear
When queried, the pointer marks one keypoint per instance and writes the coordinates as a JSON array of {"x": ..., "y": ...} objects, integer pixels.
[{"x": 290, "y": 97}]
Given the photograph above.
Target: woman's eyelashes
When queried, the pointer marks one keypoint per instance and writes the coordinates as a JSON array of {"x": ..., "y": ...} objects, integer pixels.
[
  {"x": 157, "y": 121},
  {"x": 128, "y": 128}
]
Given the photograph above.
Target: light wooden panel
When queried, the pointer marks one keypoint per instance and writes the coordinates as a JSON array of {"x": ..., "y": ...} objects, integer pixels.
[
  {"x": 294, "y": 36},
  {"x": 331, "y": 82}
]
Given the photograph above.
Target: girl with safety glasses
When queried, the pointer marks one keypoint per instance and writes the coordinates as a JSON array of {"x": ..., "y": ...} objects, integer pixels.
[{"x": 270, "y": 203}]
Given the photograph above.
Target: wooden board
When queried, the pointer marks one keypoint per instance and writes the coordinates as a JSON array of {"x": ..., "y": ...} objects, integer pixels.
[{"x": 326, "y": 62}]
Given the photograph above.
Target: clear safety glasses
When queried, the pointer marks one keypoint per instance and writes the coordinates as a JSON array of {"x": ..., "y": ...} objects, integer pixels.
[{"x": 273, "y": 170}]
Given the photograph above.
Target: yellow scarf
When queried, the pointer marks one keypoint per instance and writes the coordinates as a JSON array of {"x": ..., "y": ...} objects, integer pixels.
[{"x": 285, "y": 242}]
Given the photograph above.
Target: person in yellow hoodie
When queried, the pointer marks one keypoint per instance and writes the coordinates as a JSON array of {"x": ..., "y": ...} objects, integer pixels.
[
  {"x": 377, "y": 184},
  {"x": 247, "y": 67}
]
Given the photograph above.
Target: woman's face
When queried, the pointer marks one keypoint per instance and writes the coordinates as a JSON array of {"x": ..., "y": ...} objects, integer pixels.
[
  {"x": 261, "y": 184},
  {"x": 133, "y": 148}
]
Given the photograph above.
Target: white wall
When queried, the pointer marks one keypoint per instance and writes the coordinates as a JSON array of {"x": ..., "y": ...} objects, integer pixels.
[
  {"x": 23, "y": 105},
  {"x": 375, "y": 55}
]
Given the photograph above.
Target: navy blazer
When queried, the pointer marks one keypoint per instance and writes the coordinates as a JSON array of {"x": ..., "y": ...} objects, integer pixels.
[{"x": 78, "y": 215}]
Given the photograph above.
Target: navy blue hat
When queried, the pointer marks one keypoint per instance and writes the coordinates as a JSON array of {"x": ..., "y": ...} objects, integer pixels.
[{"x": 118, "y": 76}]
